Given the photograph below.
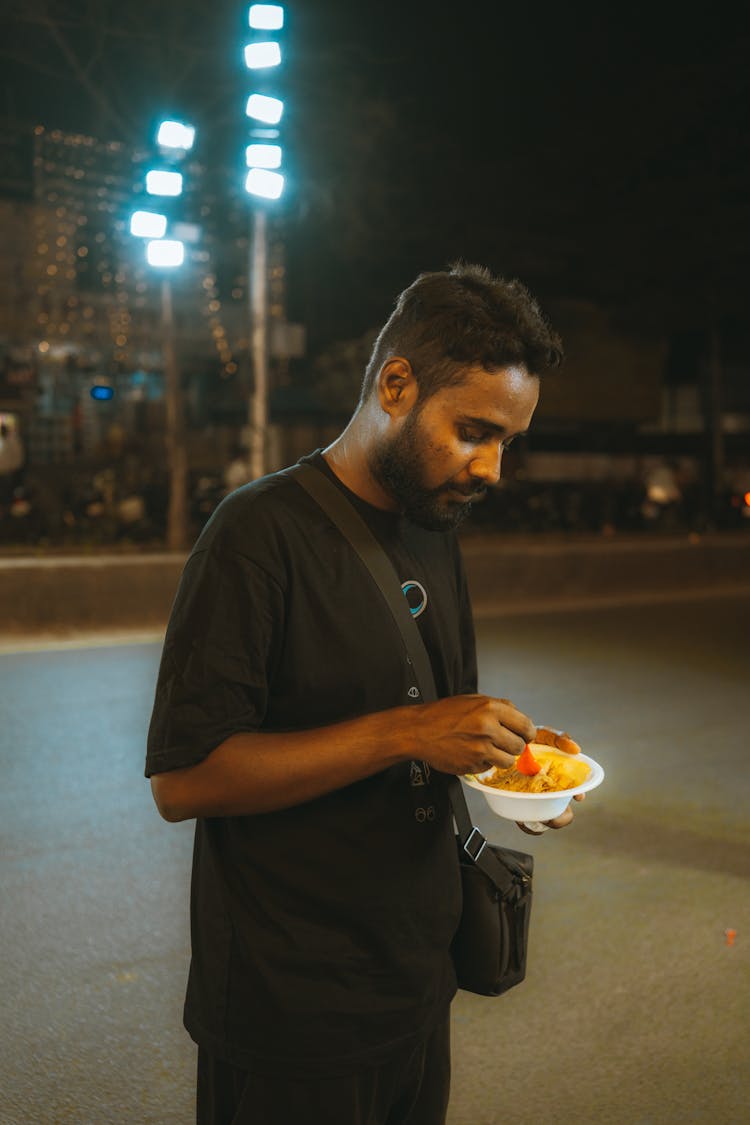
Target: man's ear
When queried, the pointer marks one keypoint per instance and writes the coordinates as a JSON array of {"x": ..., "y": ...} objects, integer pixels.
[{"x": 397, "y": 387}]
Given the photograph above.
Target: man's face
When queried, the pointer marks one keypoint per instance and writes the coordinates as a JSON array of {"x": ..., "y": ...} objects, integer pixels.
[{"x": 441, "y": 458}]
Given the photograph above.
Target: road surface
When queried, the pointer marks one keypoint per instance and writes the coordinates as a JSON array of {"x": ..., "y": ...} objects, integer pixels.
[{"x": 635, "y": 1007}]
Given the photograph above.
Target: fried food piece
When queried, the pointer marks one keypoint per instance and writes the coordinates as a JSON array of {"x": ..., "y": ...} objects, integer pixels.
[{"x": 557, "y": 738}]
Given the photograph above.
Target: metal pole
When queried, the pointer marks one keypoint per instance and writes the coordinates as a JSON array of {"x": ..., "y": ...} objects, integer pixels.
[
  {"x": 258, "y": 412},
  {"x": 177, "y": 521},
  {"x": 716, "y": 433}
]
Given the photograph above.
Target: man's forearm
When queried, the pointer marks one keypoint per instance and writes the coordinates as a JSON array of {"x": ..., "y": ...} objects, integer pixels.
[{"x": 256, "y": 772}]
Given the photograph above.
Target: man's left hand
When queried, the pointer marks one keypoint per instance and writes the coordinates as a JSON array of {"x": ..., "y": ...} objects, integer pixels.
[{"x": 559, "y": 821}]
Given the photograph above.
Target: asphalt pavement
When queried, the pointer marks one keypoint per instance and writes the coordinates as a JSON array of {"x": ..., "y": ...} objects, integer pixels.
[{"x": 635, "y": 1007}]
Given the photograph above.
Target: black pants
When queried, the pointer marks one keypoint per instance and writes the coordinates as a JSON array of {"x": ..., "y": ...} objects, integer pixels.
[{"x": 409, "y": 1089}]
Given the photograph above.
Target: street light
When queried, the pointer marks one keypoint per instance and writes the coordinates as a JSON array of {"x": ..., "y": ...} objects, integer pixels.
[
  {"x": 148, "y": 224},
  {"x": 165, "y": 254},
  {"x": 263, "y": 156},
  {"x": 266, "y": 17},
  {"x": 260, "y": 55},
  {"x": 161, "y": 182},
  {"x": 263, "y": 108},
  {"x": 264, "y": 183},
  {"x": 175, "y": 135}
]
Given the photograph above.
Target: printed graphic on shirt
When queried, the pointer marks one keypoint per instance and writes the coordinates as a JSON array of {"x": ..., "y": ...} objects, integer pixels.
[
  {"x": 420, "y": 773},
  {"x": 416, "y": 596}
]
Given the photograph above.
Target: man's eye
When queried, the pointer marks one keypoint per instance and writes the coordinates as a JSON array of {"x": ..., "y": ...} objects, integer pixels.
[{"x": 472, "y": 437}]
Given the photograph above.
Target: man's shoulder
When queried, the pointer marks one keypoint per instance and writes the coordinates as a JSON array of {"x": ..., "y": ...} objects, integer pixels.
[
  {"x": 258, "y": 513},
  {"x": 264, "y": 492}
]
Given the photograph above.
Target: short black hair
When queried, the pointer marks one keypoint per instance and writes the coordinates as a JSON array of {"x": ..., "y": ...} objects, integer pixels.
[{"x": 447, "y": 321}]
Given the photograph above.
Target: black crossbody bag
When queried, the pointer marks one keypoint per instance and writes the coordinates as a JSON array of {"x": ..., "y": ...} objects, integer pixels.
[{"x": 489, "y": 947}]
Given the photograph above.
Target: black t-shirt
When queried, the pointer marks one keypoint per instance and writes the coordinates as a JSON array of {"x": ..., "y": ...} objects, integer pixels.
[{"x": 320, "y": 933}]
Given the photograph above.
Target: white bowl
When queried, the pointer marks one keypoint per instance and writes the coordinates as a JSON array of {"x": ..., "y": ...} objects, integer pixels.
[{"x": 535, "y": 806}]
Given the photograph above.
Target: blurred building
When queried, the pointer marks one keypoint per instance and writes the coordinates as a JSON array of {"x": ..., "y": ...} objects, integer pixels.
[
  {"x": 80, "y": 308},
  {"x": 80, "y": 311}
]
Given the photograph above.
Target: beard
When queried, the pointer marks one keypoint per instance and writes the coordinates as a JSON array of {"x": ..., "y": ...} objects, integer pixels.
[{"x": 398, "y": 465}]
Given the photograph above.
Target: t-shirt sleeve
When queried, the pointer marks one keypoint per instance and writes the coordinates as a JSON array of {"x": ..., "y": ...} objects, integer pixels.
[{"x": 218, "y": 656}]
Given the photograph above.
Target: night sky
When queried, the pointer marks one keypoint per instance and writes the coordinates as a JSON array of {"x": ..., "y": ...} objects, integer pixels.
[{"x": 596, "y": 151}]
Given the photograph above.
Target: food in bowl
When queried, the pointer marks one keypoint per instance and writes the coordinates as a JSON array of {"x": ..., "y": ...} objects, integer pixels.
[
  {"x": 531, "y": 807},
  {"x": 556, "y": 771}
]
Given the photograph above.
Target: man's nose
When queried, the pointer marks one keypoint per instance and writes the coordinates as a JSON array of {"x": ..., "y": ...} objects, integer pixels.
[{"x": 486, "y": 466}]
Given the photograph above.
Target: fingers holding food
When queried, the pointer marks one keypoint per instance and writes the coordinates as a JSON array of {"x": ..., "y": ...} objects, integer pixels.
[
  {"x": 467, "y": 733},
  {"x": 515, "y": 722}
]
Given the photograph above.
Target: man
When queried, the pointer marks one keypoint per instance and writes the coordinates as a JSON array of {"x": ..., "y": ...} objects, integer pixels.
[{"x": 325, "y": 884}]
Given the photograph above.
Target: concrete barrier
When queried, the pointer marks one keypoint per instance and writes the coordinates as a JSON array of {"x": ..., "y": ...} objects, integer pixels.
[
  {"x": 73, "y": 592},
  {"x": 62, "y": 593},
  {"x": 507, "y": 575}
]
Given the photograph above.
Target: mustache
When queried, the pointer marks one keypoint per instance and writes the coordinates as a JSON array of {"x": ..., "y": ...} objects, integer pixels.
[{"x": 471, "y": 492}]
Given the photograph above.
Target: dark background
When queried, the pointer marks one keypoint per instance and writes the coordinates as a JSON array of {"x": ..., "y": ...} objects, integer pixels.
[{"x": 596, "y": 151}]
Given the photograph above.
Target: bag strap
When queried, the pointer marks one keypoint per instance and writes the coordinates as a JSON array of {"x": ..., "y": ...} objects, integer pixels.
[{"x": 351, "y": 525}]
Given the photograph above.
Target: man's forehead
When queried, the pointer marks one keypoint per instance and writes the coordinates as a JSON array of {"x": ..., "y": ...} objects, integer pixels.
[
  {"x": 497, "y": 386},
  {"x": 500, "y": 401}
]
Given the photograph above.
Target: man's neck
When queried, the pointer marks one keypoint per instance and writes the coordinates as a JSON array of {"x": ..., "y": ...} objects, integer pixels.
[{"x": 347, "y": 458}]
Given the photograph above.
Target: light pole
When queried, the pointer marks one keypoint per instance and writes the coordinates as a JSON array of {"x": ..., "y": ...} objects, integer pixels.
[
  {"x": 264, "y": 183},
  {"x": 258, "y": 273},
  {"x": 177, "y": 508},
  {"x": 174, "y": 140}
]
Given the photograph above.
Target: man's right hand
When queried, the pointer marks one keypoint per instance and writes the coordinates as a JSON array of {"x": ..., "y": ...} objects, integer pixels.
[
  {"x": 470, "y": 733},
  {"x": 257, "y": 772}
]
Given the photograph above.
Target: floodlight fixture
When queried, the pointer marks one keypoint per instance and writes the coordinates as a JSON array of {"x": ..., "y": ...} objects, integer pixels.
[
  {"x": 260, "y": 56},
  {"x": 265, "y": 109},
  {"x": 167, "y": 252},
  {"x": 173, "y": 134},
  {"x": 266, "y": 184},
  {"x": 263, "y": 156},
  {"x": 266, "y": 17},
  {"x": 160, "y": 182},
  {"x": 148, "y": 224}
]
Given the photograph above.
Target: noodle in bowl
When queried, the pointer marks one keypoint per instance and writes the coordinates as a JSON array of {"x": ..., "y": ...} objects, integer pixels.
[{"x": 524, "y": 806}]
